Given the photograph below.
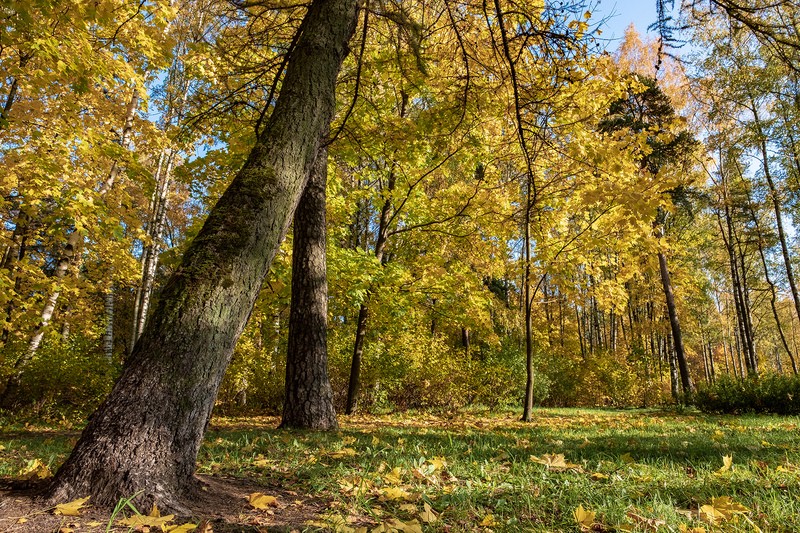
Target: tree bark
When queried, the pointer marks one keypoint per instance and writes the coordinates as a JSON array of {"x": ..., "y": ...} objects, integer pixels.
[
  {"x": 675, "y": 327},
  {"x": 145, "y": 437},
  {"x": 308, "y": 401}
]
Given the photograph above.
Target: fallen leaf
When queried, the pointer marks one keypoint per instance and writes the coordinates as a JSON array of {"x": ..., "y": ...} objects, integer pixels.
[
  {"x": 395, "y": 493},
  {"x": 438, "y": 463},
  {"x": 683, "y": 528},
  {"x": 427, "y": 515},
  {"x": 584, "y": 517},
  {"x": 71, "y": 508},
  {"x": 627, "y": 459},
  {"x": 727, "y": 462},
  {"x": 262, "y": 501},
  {"x": 722, "y": 509},
  {"x": 554, "y": 461},
  {"x": 35, "y": 469},
  {"x": 488, "y": 521},
  {"x": 183, "y": 528},
  {"x": 142, "y": 521},
  {"x": 22, "y": 520},
  {"x": 344, "y": 452},
  {"x": 648, "y": 524},
  {"x": 409, "y": 508},
  {"x": 395, "y": 477}
]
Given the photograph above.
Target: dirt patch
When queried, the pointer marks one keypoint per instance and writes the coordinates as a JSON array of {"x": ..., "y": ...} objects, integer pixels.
[{"x": 222, "y": 506}]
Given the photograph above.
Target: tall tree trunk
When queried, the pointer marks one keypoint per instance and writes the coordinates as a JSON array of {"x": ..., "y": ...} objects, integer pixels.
[
  {"x": 308, "y": 400},
  {"x": 675, "y": 327},
  {"x": 776, "y": 206},
  {"x": 108, "y": 335},
  {"x": 354, "y": 383},
  {"x": 772, "y": 293},
  {"x": 150, "y": 254},
  {"x": 145, "y": 437}
]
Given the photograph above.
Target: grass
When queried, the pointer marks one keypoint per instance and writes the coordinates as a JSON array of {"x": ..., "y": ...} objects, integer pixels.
[{"x": 636, "y": 470}]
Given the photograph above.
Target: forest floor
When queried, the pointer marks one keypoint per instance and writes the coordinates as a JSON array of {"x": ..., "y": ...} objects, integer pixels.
[{"x": 568, "y": 470}]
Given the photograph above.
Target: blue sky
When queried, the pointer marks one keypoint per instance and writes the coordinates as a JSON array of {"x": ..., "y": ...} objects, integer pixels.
[{"x": 620, "y": 13}]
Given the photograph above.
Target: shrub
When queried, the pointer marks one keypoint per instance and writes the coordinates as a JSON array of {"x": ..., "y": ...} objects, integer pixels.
[{"x": 770, "y": 393}]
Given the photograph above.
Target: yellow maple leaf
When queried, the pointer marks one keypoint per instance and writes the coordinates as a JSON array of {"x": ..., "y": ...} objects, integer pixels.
[
  {"x": 72, "y": 508},
  {"x": 438, "y": 463},
  {"x": 262, "y": 501},
  {"x": 183, "y": 528},
  {"x": 584, "y": 517},
  {"x": 488, "y": 521},
  {"x": 344, "y": 452},
  {"x": 427, "y": 515},
  {"x": 722, "y": 509},
  {"x": 141, "y": 521},
  {"x": 627, "y": 459},
  {"x": 409, "y": 508},
  {"x": 683, "y": 528},
  {"x": 35, "y": 469},
  {"x": 395, "y": 477},
  {"x": 395, "y": 493},
  {"x": 727, "y": 462},
  {"x": 553, "y": 461}
]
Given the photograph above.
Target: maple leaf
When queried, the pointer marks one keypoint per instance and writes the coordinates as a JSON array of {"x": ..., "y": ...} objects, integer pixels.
[
  {"x": 584, "y": 517},
  {"x": 554, "y": 461},
  {"x": 262, "y": 501},
  {"x": 142, "y": 521},
  {"x": 183, "y": 528},
  {"x": 488, "y": 521},
  {"x": 395, "y": 493},
  {"x": 72, "y": 508},
  {"x": 722, "y": 509},
  {"x": 427, "y": 515},
  {"x": 438, "y": 463},
  {"x": 395, "y": 477},
  {"x": 727, "y": 463},
  {"x": 683, "y": 528},
  {"x": 648, "y": 524},
  {"x": 344, "y": 452},
  {"x": 35, "y": 469}
]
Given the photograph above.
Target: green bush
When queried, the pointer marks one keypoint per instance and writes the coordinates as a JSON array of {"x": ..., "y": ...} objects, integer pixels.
[{"x": 770, "y": 393}]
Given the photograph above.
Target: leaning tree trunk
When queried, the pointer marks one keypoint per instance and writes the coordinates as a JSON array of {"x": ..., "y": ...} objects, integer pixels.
[
  {"x": 308, "y": 401},
  {"x": 675, "y": 327},
  {"x": 145, "y": 437}
]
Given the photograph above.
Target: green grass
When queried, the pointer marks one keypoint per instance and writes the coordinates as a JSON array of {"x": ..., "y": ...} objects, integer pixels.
[{"x": 659, "y": 466}]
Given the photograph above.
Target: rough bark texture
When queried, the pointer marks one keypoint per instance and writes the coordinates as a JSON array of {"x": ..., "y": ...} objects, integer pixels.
[
  {"x": 308, "y": 402},
  {"x": 145, "y": 437}
]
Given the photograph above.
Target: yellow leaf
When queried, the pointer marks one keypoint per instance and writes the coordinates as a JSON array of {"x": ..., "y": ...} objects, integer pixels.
[
  {"x": 22, "y": 520},
  {"x": 683, "y": 528},
  {"x": 597, "y": 476},
  {"x": 344, "y": 452},
  {"x": 584, "y": 517},
  {"x": 727, "y": 461},
  {"x": 427, "y": 515},
  {"x": 395, "y": 477},
  {"x": 553, "y": 461},
  {"x": 348, "y": 440},
  {"x": 71, "y": 508},
  {"x": 488, "y": 521},
  {"x": 262, "y": 501},
  {"x": 142, "y": 521},
  {"x": 35, "y": 469},
  {"x": 437, "y": 463},
  {"x": 409, "y": 508},
  {"x": 395, "y": 493},
  {"x": 375, "y": 440},
  {"x": 627, "y": 459},
  {"x": 721, "y": 509},
  {"x": 183, "y": 528}
]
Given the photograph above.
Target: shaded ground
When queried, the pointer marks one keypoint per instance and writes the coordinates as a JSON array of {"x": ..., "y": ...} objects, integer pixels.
[{"x": 223, "y": 508}]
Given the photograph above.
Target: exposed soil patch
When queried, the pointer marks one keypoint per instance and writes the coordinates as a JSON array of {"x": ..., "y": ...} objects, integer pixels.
[{"x": 221, "y": 507}]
